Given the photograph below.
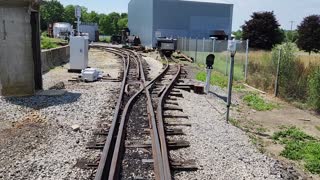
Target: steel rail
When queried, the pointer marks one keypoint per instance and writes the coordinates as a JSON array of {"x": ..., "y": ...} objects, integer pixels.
[
  {"x": 112, "y": 150},
  {"x": 161, "y": 128},
  {"x": 104, "y": 165}
]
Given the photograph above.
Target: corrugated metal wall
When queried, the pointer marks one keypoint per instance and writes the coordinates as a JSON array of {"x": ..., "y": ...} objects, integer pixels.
[{"x": 174, "y": 18}]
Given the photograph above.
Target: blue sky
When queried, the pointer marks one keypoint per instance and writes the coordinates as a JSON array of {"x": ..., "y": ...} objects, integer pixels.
[{"x": 285, "y": 10}]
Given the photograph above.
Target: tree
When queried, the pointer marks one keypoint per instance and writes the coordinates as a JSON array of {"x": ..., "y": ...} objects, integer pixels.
[
  {"x": 238, "y": 34},
  {"x": 262, "y": 30},
  {"x": 50, "y": 12},
  {"x": 123, "y": 23},
  {"x": 309, "y": 34},
  {"x": 93, "y": 17},
  {"x": 124, "y": 15},
  {"x": 114, "y": 19},
  {"x": 105, "y": 25},
  {"x": 69, "y": 14},
  {"x": 291, "y": 36}
]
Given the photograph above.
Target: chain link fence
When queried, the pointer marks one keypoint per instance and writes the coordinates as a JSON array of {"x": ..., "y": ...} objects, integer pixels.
[{"x": 199, "y": 49}]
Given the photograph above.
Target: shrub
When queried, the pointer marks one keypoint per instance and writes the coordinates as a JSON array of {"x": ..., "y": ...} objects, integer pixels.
[
  {"x": 48, "y": 43},
  {"x": 314, "y": 89}
]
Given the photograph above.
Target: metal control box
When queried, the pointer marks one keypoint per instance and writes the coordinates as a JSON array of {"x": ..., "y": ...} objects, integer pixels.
[{"x": 79, "y": 47}]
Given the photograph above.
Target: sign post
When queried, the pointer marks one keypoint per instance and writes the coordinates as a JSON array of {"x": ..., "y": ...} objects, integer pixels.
[
  {"x": 78, "y": 16},
  {"x": 209, "y": 63},
  {"x": 232, "y": 45}
]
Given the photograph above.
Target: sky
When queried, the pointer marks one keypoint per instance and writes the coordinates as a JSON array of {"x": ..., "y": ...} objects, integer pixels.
[{"x": 285, "y": 10}]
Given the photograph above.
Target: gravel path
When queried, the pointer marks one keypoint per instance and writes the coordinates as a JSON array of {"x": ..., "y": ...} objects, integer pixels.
[
  {"x": 38, "y": 136},
  {"x": 221, "y": 150}
]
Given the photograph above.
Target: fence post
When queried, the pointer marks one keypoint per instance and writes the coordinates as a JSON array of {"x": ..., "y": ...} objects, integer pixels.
[
  {"x": 195, "y": 57},
  {"x": 203, "y": 45},
  {"x": 276, "y": 86},
  {"x": 213, "y": 45},
  {"x": 247, "y": 61},
  {"x": 227, "y": 62}
]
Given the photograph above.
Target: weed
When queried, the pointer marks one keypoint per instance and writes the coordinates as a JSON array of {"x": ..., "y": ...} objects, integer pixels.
[
  {"x": 318, "y": 128},
  {"x": 291, "y": 133},
  {"x": 257, "y": 103},
  {"x": 300, "y": 146},
  {"x": 234, "y": 122}
]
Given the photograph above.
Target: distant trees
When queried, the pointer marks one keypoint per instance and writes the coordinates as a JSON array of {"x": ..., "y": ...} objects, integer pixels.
[
  {"x": 263, "y": 30},
  {"x": 53, "y": 11},
  {"x": 309, "y": 34},
  {"x": 238, "y": 34}
]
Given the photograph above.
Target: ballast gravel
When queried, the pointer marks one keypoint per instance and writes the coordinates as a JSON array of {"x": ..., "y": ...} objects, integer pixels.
[
  {"x": 45, "y": 137},
  {"x": 221, "y": 150}
]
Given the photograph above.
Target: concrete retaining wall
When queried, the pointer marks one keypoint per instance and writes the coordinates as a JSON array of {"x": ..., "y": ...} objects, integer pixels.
[{"x": 54, "y": 57}]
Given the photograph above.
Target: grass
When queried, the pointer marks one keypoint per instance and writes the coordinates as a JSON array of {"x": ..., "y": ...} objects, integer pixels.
[
  {"x": 256, "y": 102},
  {"x": 217, "y": 78},
  {"x": 318, "y": 128},
  {"x": 234, "y": 122},
  {"x": 300, "y": 146},
  {"x": 106, "y": 39}
]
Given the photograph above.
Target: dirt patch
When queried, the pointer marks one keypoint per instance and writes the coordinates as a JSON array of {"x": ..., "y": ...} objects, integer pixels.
[{"x": 261, "y": 125}]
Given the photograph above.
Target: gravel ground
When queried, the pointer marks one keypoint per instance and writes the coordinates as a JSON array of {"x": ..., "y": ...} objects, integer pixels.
[
  {"x": 221, "y": 150},
  {"x": 155, "y": 67},
  {"x": 38, "y": 136}
]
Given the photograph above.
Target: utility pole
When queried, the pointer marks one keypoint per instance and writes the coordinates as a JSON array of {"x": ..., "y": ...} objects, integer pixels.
[{"x": 291, "y": 24}]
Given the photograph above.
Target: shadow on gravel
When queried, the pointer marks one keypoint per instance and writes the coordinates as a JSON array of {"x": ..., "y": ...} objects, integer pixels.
[
  {"x": 224, "y": 98},
  {"x": 39, "y": 102}
]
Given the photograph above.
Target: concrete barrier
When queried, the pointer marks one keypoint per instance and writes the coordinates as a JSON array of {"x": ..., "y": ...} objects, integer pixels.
[{"x": 54, "y": 57}]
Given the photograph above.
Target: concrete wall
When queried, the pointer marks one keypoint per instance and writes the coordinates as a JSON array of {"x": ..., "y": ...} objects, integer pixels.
[
  {"x": 140, "y": 20},
  {"x": 16, "y": 58},
  {"x": 54, "y": 57}
]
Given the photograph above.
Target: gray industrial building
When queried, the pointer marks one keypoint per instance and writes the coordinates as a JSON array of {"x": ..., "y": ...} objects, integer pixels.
[{"x": 150, "y": 19}]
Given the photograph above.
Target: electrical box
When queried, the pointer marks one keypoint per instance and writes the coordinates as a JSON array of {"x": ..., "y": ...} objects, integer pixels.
[
  {"x": 90, "y": 74},
  {"x": 79, "y": 47}
]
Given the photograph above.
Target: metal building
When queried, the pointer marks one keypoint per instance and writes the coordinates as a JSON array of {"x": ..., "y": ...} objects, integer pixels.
[
  {"x": 91, "y": 29},
  {"x": 150, "y": 19}
]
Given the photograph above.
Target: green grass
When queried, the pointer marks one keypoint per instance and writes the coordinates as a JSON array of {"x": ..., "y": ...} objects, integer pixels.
[
  {"x": 106, "y": 39},
  {"x": 257, "y": 103},
  {"x": 217, "y": 78},
  {"x": 300, "y": 146},
  {"x": 221, "y": 63}
]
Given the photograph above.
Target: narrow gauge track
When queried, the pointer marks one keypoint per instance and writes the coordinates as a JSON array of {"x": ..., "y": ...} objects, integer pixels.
[{"x": 132, "y": 116}]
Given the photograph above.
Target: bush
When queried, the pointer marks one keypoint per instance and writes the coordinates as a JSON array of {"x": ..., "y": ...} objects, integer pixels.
[
  {"x": 48, "y": 43},
  {"x": 314, "y": 89}
]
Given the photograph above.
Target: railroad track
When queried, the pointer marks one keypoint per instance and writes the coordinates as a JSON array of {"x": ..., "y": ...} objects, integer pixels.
[{"x": 136, "y": 145}]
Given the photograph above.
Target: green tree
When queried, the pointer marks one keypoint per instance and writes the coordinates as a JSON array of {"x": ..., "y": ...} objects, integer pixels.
[
  {"x": 50, "y": 12},
  {"x": 115, "y": 17},
  {"x": 105, "y": 25},
  {"x": 124, "y": 15},
  {"x": 262, "y": 30},
  {"x": 69, "y": 14},
  {"x": 93, "y": 17},
  {"x": 123, "y": 23},
  {"x": 309, "y": 34},
  {"x": 291, "y": 36},
  {"x": 84, "y": 14},
  {"x": 238, "y": 34}
]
